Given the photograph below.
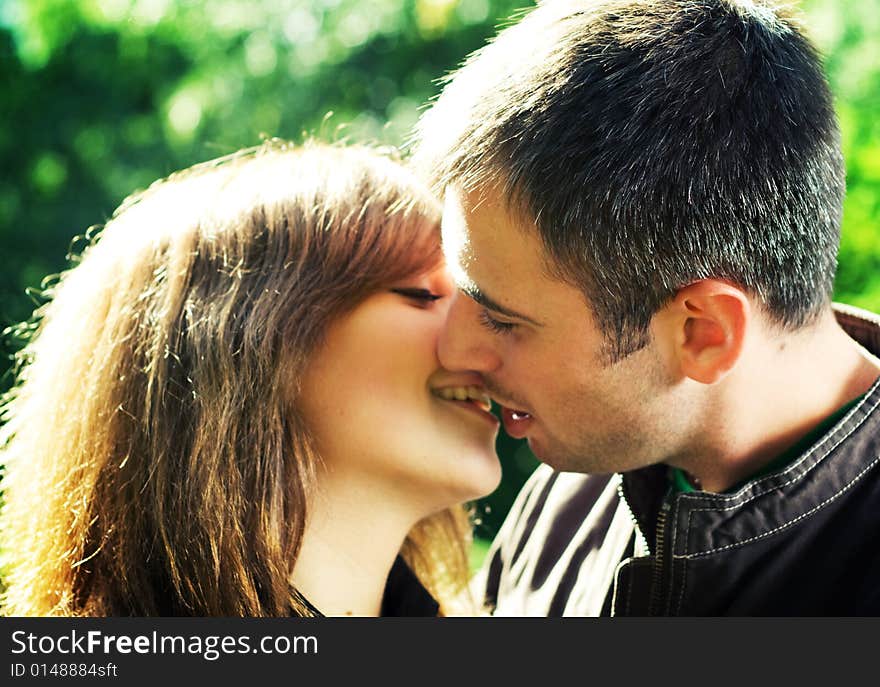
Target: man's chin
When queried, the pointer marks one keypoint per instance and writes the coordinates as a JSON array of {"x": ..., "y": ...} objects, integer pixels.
[
  {"x": 564, "y": 460},
  {"x": 560, "y": 461}
]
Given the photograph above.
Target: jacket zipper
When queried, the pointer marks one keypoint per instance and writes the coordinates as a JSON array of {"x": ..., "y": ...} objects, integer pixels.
[
  {"x": 621, "y": 493},
  {"x": 660, "y": 545}
]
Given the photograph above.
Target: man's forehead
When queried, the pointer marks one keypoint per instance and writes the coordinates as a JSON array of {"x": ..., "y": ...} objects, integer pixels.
[
  {"x": 502, "y": 264},
  {"x": 457, "y": 246},
  {"x": 480, "y": 229},
  {"x": 481, "y": 215}
]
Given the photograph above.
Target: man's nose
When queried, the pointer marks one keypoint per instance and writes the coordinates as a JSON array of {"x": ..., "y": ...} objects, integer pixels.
[{"x": 464, "y": 344}]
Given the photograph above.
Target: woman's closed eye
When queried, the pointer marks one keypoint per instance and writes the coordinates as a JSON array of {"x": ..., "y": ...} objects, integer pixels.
[{"x": 424, "y": 296}]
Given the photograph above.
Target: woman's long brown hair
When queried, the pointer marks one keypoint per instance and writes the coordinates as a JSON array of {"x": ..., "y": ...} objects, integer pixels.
[{"x": 155, "y": 460}]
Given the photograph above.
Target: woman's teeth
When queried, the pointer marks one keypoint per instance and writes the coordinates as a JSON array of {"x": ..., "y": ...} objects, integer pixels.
[{"x": 466, "y": 393}]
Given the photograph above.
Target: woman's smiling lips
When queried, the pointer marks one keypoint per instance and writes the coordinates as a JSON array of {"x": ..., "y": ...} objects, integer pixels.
[{"x": 470, "y": 397}]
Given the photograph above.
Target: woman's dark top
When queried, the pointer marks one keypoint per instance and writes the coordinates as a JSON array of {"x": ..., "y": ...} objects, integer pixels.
[{"x": 404, "y": 596}]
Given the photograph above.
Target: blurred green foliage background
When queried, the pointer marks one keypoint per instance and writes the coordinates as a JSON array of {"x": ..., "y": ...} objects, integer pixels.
[{"x": 101, "y": 97}]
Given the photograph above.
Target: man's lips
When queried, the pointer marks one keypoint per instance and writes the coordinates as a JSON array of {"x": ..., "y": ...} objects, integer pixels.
[{"x": 516, "y": 422}]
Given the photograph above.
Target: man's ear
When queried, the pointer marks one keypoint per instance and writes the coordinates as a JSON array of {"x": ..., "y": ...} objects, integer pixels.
[{"x": 707, "y": 322}]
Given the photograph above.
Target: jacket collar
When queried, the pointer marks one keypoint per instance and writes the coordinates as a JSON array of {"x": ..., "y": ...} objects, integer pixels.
[{"x": 715, "y": 522}]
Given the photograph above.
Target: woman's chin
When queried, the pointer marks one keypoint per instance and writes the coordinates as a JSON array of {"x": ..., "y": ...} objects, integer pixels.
[{"x": 478, "y": 475}]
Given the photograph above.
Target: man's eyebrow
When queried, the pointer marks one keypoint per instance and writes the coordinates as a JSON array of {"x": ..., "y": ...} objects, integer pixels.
[{"x": 474, "y": 292}]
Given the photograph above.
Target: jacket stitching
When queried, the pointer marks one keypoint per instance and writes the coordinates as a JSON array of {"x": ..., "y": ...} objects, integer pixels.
[
  {"x": 794, "y": 466},
  {"x": 629, "y": 591},
  {"x": 684, "y": 576},
  {"x": 684, "y": 573},
  {"x": 843, "y": 489},
  {"x": 690, "y": 514}
]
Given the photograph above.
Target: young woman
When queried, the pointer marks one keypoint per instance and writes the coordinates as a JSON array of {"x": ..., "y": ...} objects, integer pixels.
[{"x": 232, "y": 405}]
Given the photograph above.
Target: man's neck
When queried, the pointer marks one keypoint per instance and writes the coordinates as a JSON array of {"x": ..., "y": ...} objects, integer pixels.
[{"x": 781, "y": 390}]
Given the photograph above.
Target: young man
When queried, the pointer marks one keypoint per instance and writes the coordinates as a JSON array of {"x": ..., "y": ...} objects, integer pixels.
[{"x": 642, "y": 209}]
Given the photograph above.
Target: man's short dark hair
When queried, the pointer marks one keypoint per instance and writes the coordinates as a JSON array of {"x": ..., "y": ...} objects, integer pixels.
[{"x": 655, "y": 143}]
